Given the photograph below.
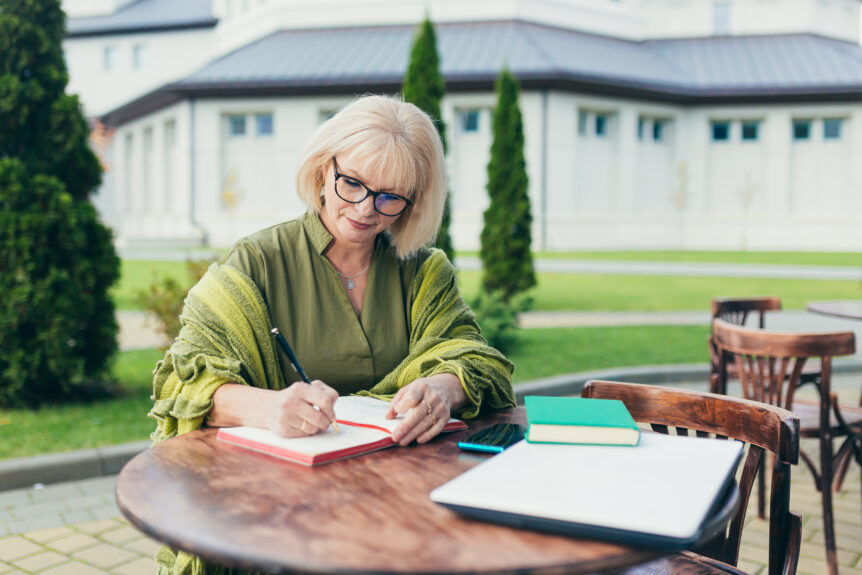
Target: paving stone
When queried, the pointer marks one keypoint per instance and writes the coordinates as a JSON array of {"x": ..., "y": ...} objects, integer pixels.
[
  {"x": 145, "y": 546},
  {"x": 45, "y": 535},
  {"x": 75, "y": 517},
  {"x": 57, "y": 492},
  {"x": 40, "y": 561},
  {"x": 751, "y": 568},
  {"x": 139, "y": 566},
  {"x": 37, "y": 510},
  {"x": 105, "y": 555},
  {"x": 74, "y": 568},
  {"x": 76, "y": 542},
  {"x": 34, "y": 523},
  {"x": 99, "y": 526},
  {"x": 16, "y": 547},
  {"x": 99, "y": 485},
  {"x": 124, "y": 534},
  {"x": 85, "y": 502},
  {"x": 106, "y": 512},
  {"x": 14, "y": 497}
]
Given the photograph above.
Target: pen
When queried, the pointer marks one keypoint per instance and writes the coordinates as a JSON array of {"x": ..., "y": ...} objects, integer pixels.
[{"x": 295, "y": 363}]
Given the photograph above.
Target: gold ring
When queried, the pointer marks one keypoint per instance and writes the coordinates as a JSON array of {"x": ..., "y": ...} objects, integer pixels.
[
  {"x": 302, "y": 427},
  {"x": 428, "y": 407}
]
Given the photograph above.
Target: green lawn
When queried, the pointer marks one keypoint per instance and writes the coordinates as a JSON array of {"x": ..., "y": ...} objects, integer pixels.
[
  {"x": 798, "y": 258},
  {"x": 599, "y": 292},
  {"x": 581, "y": 292},
  {"x": 539, "y": 353},
  {"x": 80, "y": 426}
]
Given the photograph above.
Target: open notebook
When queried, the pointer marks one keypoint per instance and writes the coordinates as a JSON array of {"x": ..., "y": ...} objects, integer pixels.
[
  {"x": 363, "y": 429},
  {"x": 661, "y": 493}
]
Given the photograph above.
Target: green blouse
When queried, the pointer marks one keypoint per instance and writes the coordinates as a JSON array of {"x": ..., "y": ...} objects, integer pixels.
[{"x": 309, "y": 304}]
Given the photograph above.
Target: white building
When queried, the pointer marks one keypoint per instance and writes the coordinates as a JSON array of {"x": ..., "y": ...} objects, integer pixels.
[{"x": 677, "y": 124}]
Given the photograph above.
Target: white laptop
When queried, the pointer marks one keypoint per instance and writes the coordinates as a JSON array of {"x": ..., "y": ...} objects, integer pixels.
[{"x": 661, "y": 493}]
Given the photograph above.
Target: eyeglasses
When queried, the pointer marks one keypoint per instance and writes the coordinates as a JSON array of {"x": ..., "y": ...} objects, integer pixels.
[{"x": 353, "y": 191}]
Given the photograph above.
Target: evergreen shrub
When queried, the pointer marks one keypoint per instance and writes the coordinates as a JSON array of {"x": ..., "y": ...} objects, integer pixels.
[{"x": 57, "y": 325}]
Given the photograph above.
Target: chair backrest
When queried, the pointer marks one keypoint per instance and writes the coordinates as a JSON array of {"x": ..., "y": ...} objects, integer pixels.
[
  {"x": 762, "y": 427},
  {"x": 769, "y": 364},
  {"x": 736, "y": 311}
]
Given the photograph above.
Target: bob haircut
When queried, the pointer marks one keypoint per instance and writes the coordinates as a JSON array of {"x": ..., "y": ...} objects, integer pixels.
[{"x": 397, "y": 143}]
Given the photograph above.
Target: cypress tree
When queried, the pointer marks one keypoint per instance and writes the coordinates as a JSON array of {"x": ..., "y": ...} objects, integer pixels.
[
  {"x": 507, "y": 261},
  {"x": 424, "y": 87},
  {"x": 57, "y": 260}
]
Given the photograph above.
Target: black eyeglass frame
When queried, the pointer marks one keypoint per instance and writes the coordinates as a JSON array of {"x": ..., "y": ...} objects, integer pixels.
[{"x": 368, "y": 192}]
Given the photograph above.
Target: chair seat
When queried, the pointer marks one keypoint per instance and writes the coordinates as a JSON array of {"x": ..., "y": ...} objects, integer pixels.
[
  {"x": 685, "y": 563},
  {"x": 809, "y": 417}
]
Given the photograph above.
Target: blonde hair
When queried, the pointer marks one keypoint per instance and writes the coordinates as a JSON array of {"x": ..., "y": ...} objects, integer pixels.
[{"x": 399, "y": 145}]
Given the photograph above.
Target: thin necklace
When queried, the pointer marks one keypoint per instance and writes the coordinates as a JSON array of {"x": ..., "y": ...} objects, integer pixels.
[{"x": 350, "y": 284}]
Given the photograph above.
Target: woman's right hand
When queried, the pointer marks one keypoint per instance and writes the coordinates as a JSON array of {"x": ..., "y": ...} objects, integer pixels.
[{"x": 293, "y": 413}]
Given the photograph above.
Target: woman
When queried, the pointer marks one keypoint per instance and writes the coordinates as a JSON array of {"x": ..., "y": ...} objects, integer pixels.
[{"x": 367, "y": 308}]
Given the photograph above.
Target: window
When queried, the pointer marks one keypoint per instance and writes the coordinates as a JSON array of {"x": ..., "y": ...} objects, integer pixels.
[
  {"x": 750, "y": 131},
  {"x": 601, "y": 125},
  {"x": 720, "y": 131},
  {"x": 236, "y": 126},
  {"x": 801, "y": 129},
  {"x": 721, "y": 17},
  {"x": 658, "y": 130},
  {"x": 470, "y": 121},
  {"x": 832, "y": 128},
  {"x": 141, "y": 56},
  {"x": 582, "y": 123},
  {"x": 111, "y": 58},
  {"x": 264, "y": 124},
  {"x": 641, "y": 127}
]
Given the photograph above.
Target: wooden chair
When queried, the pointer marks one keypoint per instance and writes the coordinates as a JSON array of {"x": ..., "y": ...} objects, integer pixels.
[
  {"x": 737, "y": 311},
  {"x": 770, "y": 366},
  {"x": 763, "y": 427}
]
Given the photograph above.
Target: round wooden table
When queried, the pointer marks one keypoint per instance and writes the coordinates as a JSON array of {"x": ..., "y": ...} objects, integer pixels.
[
  {"x": 369, "y": 514},
  {"x": 848, "y": 309}
]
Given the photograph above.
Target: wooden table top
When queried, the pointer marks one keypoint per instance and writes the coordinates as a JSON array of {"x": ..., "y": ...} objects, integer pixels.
[
  {"x": 368, "y": 514},
  {"x": 850, "y": 309}
]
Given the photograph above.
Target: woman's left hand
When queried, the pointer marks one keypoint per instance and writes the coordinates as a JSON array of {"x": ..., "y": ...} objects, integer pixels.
[{"x": 428, "y": 402}]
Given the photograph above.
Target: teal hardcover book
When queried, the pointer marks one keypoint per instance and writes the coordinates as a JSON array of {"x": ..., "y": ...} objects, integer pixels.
[{"x": 579, "y": 420}]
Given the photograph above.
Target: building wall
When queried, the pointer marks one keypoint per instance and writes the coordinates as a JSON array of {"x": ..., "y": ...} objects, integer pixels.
[
  {"x": 105, "y": 82},
  {"x": 620, "y": 186}
]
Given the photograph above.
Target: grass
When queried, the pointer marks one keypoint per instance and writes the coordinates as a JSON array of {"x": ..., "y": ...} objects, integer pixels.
[
  {"x": 600, "y": 292},
  {"x": 80, "y": 426},
  {"x": 798, "y": 258},
  {"x": 539, "y": 353},
  {"x": 545, "y": 352},
  {"x": 136, "y": 276}
]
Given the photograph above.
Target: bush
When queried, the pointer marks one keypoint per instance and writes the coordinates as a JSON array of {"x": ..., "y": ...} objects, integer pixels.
[
  {"x": 498, "y": 319},
  {"x": 507, "y": 261},
  {"x": 57, "y": 261},
  {"x": 164, "y": 298}
]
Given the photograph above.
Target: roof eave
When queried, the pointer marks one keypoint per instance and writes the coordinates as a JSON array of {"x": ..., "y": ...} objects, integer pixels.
[
  {"x": 159, "y": 28},
  {"x": 618, "y": 88}
]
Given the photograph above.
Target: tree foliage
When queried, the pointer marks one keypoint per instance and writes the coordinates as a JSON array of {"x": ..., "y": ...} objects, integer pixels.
[
  {"x": 57, "y": 261},
  {"x": 507, "y": 261},
  {"x": 424, "y": 87}
]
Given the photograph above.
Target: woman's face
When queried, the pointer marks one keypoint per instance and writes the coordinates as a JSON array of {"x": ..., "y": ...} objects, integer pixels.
[{"x": 354, "y": 224}]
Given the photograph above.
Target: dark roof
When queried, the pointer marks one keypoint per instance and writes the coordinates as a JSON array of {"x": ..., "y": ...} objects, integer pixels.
[
  {"x": 146, "y": 16},
  {"x": 685, "y": 71}
]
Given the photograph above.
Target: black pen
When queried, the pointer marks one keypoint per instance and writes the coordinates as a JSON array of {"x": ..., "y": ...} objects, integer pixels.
[{"x": 295, "y": 363}]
